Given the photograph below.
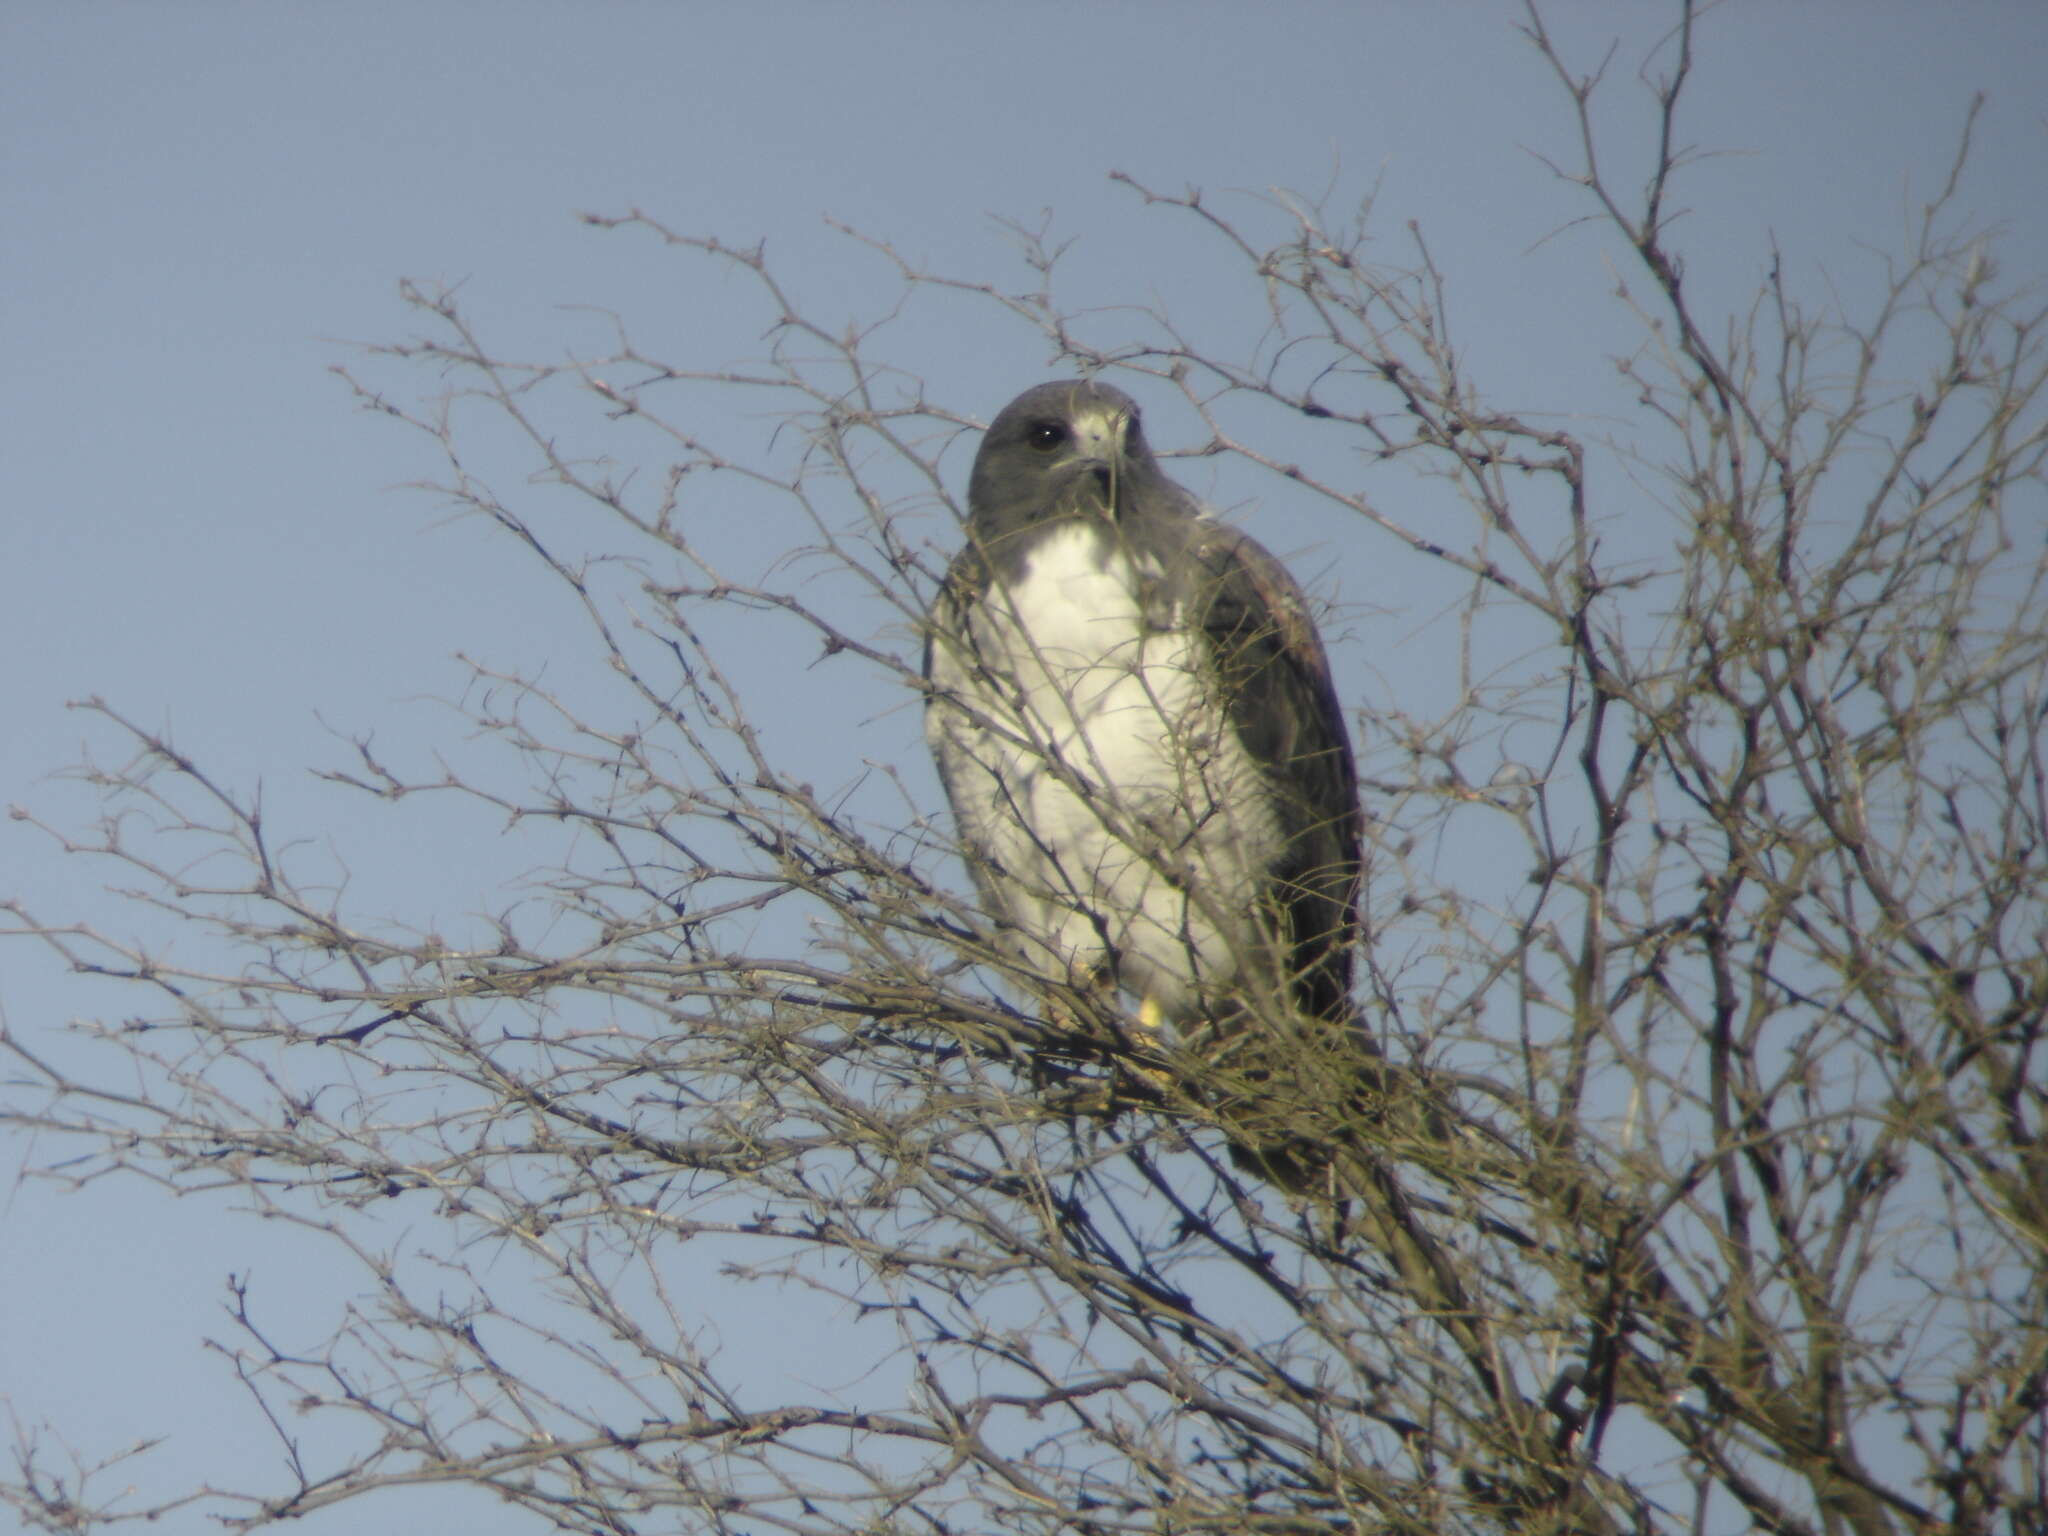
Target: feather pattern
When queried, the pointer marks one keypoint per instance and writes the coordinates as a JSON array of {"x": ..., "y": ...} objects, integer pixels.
[{"x": 1134, "y": 721}]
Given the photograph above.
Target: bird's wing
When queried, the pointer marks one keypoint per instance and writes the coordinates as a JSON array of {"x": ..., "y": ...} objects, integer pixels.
[{"x": 1276, "y": 679}]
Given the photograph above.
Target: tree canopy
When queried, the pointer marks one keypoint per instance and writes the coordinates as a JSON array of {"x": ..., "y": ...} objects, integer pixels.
[{"x": 1707, "y": 949}]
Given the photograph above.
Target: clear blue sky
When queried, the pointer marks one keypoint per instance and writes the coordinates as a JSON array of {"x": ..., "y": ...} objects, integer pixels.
[{"x": 205, "y": 203}]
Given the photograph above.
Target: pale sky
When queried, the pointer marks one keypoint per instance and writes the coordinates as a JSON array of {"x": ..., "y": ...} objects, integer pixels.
[{"x": 206, "y": 205}]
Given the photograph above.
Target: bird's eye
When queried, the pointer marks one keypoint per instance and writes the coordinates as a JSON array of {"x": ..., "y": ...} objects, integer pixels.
[{"x": 1046, "y": 436}]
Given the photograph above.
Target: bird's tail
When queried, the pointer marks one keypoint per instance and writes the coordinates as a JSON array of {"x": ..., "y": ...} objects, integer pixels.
[{"x": 1300, "y": 1111}]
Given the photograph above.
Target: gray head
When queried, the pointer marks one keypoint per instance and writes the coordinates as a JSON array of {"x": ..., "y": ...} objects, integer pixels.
[{"x": 1068, "y": 449}]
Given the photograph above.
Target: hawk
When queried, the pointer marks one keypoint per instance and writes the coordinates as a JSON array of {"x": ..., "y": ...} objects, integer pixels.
[{"x": 1134, "y": 721}]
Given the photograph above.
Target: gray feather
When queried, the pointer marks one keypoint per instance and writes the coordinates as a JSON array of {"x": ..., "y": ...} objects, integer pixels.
[{"x": 1097, "y": 624}]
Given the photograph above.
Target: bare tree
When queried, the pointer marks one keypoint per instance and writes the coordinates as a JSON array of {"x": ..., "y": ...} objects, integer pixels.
[{"x": 1711, "y": 1185}]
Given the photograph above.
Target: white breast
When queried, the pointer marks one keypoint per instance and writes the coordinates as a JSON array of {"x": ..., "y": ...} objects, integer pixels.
[{"x": 1096, "y": 776}]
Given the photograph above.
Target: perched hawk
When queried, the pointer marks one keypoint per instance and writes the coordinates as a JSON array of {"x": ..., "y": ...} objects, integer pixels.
[{"x": 1134, "y": 720}]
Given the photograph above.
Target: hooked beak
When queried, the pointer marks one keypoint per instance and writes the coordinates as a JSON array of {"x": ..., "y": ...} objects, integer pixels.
[{"x": 1099, "y": 441}]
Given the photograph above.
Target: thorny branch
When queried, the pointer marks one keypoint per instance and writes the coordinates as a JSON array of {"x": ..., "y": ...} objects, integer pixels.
[{"x": 1716, "y": 1175}]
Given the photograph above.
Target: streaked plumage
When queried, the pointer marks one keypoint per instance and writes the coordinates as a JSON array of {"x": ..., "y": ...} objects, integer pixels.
[{"x": 1134, "y": 721}]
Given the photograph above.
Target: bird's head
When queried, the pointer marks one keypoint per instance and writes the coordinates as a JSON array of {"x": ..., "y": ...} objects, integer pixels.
[{"x": 1062, "y": 450}]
